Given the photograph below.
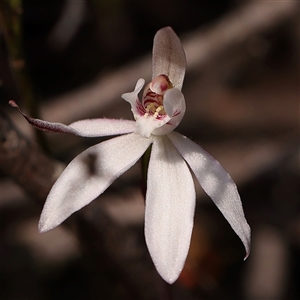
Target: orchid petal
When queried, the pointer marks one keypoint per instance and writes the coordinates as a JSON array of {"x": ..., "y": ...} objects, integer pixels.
[
  {"x": 168, "y": 57},
  {"x": 170, "y": 206},
  {"x": 217, "y": 183},
  {"x": 44, "y": 125},
  {"x": 85, "y": 128},
  {"x": 102, "y": 127},
  {"x": 174, "y": 106},
  {"x": 145, "y": 126},
  {"x": 89, "y": 175},
  {"x": 132, "y": 97}
]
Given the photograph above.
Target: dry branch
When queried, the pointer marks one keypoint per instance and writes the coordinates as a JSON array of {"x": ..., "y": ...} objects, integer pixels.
[{"x": 26, "y": 164}]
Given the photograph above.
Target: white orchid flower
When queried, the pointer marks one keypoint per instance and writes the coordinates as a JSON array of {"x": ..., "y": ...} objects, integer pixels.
[{"x": 170, "y": 196}]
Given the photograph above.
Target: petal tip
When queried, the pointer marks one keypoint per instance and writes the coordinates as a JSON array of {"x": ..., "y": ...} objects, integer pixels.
[
  {"x": 13, "y": 103},
  {"x": 42, "y": 228},
  {"x": 170, "y": 275},
  {"x": 247, "y": 254},
  {"x": 172, "y": 279}
]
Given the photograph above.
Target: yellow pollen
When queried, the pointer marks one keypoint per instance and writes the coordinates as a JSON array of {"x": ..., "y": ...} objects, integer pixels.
[
  {"x": 154, "y": 110},
  {"x": 150, "y": 108},
  {"x": 159, "y": 108}
]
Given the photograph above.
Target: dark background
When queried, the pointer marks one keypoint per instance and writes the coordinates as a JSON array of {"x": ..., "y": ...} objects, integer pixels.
[{"x": 243, "y": 107}]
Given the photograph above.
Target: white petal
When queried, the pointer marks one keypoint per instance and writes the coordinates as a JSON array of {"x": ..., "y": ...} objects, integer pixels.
[
  {"x": 86, "y": 128},
  {"x": 89, "y": 175},
  {"x": 168, "y": 57},
  {"x": 132, "y": 97},
  {"x": 217, "y": 183},
  {"x": 145, "y": 126},
  {"x": 102, "y": 127},
  {"x": 170, "y": 206},
  {"x": 174, "y": 105}
]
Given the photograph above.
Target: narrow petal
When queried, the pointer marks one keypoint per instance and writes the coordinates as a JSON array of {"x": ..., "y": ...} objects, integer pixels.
[
  {"x": 132, "y": 97},
  {"x": 89, "y": 175},
  {"x": 44, "y": 125},
  {"x": 217, "y": 183},
  {"x": 174, "y": 105},
  {"x": 168, "y": 57},
  {"x": 102, "y": 127},
  {"x": 170, "y": 206},
  {"x": 86, "y": 128}
]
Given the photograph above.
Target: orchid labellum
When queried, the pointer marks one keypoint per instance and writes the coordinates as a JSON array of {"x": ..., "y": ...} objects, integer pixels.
[{"x": 170, "y": 195}]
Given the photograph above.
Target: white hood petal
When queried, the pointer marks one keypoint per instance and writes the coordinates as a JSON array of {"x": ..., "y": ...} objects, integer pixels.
[
  {"x": 89, "y": 175},
  {"x": 170, "y": 205},
  {"x": 168, "y": 57},
  {"x": 174, "y": 105},
  {"x": 217, "y": 183}
]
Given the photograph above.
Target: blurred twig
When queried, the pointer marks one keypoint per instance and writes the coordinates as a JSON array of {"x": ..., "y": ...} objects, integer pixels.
[
  {"x": 11, "y": 36},
  {"x": 26, "y": 164}
]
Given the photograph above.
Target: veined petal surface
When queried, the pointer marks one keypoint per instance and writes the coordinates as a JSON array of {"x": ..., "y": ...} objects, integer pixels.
[
  {"x": 217, "y": 183},
  {"x": 170, "y": 206},
  {"x": 168, "y": 57},
  {"x": 89, "y": 175},
  {"x": 102, "y": 127}
]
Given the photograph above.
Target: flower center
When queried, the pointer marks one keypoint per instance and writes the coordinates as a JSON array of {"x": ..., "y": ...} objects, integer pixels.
[
  {"x": 153, "y": 98},
  {"x": 154, "y": 110}
]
